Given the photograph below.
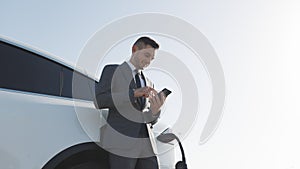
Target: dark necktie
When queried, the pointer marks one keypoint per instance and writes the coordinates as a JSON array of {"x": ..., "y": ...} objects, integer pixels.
[
  {"x": 143, "y": 131},
  {"x": 139, "y": 85},
  {"x": 137, "y": 80}
]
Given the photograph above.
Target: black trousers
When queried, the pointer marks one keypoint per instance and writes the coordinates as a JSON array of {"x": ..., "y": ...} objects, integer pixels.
[{"x": 119, "y": 162}]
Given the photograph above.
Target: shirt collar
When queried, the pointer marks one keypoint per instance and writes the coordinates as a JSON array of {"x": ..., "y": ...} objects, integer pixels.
[{"x": 132, "y": 67}]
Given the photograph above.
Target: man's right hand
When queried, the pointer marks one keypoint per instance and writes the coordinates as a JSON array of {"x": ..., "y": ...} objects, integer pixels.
[{"x": 143, "y": 91}]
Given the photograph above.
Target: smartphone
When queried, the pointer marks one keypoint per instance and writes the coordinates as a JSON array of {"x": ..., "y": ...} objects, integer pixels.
[{"x": 165, "y": 91}]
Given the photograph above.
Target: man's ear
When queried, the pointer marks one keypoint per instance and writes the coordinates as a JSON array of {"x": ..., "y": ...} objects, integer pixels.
[{"x": 134, "y": 49}]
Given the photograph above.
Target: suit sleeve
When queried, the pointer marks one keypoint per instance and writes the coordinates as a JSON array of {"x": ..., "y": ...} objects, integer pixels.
[
  {"x": 104, "y": 96},
  {"x": 104, "y": 92}
]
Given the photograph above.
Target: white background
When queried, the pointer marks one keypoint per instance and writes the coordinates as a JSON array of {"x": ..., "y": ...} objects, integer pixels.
[{"x": 256, "y": 41}]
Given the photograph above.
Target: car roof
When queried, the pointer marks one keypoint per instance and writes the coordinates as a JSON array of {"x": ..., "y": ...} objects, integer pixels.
[{"x": 44, "y": 54}]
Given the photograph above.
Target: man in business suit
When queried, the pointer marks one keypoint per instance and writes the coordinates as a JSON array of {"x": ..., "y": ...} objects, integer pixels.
[{"x": 134, "y": 106}]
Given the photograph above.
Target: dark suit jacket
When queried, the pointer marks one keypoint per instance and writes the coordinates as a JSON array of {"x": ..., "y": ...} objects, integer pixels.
[{"x": 126, "y": 117}]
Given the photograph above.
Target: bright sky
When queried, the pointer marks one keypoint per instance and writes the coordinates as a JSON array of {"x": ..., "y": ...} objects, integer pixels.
[{"x": 257, "y": 43}]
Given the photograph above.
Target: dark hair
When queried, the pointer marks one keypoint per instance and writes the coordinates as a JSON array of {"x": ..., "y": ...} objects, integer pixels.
[{"x": 142, "y": 42}]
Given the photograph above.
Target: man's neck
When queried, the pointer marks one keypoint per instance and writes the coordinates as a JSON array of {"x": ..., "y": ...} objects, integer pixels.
[
  {"x": 134, "y": 65},
  {"x": 131, "y": 65}
]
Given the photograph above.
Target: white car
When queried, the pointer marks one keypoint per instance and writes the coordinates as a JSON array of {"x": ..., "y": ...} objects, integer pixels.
[{"x": 43, "y": 124}]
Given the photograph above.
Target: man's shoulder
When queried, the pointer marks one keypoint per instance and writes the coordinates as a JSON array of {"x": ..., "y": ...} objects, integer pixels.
[
  {"x": 121, "y": 67},
  {"x": 114, "y": 66},
  {"x": 110, "y": 66}
]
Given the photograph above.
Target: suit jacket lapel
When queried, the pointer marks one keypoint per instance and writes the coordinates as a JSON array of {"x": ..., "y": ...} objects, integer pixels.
[{"x": 127, "y": 73}]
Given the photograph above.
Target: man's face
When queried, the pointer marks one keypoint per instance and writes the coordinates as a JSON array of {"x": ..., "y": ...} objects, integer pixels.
[{"x": 143, "y": 57}]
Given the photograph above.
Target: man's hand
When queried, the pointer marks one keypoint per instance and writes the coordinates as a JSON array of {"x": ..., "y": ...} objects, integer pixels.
[
  {"x": 143, "y": 91},
  {"x": 156, "y": 101}
]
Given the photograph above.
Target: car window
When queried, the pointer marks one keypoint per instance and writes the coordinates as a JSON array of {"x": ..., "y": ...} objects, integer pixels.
[{"x": 27, "y": 71}]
